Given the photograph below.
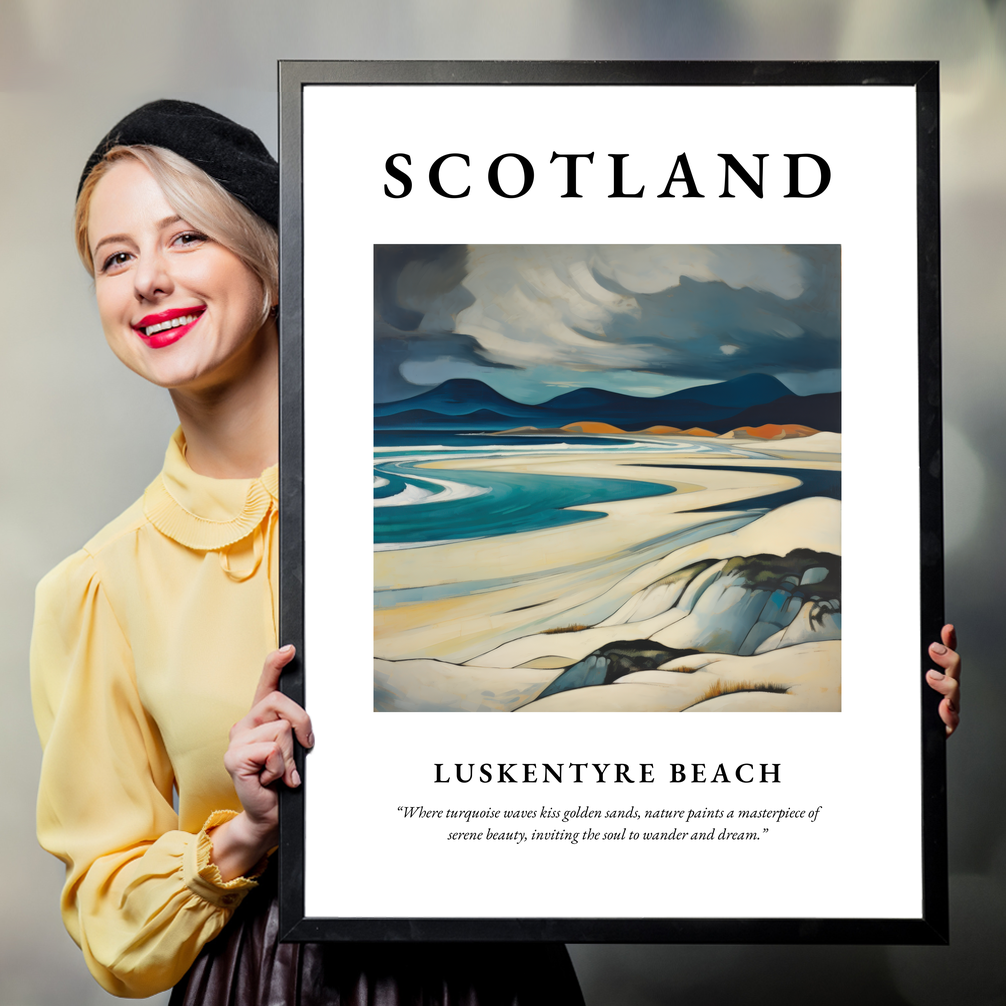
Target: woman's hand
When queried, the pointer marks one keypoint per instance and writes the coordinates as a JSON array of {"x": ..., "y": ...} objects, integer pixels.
[
  {"x": 260, "y": 753},
  {"x": 948, "y": 681}
]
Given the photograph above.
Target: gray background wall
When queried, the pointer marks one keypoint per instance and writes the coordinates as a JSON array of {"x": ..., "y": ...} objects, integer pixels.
[{"x": 82, "y": 436}]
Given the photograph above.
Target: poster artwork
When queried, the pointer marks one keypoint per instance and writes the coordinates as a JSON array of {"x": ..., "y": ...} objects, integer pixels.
[{"x": 607, "y": 478}]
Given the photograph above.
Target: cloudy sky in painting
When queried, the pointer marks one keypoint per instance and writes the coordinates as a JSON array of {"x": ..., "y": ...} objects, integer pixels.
[{"x": 535, "y": 321}]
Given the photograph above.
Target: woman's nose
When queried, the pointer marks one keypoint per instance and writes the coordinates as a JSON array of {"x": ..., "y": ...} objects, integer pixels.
[{"x": 152, "y": 277}]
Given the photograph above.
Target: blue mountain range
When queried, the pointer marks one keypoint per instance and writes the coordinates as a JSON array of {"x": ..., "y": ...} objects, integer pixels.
[
  {"x": 463, "y": 396},
  {"x": 744, "y": 401}
]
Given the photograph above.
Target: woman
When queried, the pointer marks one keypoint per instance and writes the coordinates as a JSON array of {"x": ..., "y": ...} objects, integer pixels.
[{"x": 148, "y": 643}]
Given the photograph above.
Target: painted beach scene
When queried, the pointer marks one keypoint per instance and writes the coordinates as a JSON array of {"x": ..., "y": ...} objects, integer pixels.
[{"x": 607, "y": 478}]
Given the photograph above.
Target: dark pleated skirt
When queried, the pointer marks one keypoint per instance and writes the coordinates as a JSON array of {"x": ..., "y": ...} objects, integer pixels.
[{"x": 246, "y": 965}]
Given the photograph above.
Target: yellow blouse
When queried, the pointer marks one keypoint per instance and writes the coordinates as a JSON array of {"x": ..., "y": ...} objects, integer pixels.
[{"x": 147, "y": 647}]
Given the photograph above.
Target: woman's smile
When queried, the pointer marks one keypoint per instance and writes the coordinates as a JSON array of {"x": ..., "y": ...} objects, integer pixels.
[{"x": 167, "y": 327}]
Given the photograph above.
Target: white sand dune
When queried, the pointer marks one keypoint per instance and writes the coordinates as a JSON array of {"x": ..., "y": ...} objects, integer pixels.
[{"x": 434, "y": 685}]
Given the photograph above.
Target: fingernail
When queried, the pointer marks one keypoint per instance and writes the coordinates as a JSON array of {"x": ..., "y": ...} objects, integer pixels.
[
  {"x": 310, "y": 740},
  {"x": 295, "y": 777},
  {"x": 936, "y": 675},
  {"x": 287, "y": 649},
  {"x": 938, "y": 648}
]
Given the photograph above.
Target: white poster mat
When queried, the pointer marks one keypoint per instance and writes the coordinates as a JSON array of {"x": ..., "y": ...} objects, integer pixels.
[{"x": 862, "y": 856}]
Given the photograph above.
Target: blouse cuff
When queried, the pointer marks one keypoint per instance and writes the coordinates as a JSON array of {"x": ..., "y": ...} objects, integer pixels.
[{"x": 202, "y": 876}]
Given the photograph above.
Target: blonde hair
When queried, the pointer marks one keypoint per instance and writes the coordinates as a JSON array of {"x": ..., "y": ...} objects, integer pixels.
[{"x": 199, "y": 200}]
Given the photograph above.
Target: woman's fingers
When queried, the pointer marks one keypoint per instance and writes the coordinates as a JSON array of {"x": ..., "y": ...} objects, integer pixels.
[
  {"x": 944, "y": 684},
  {"x": 277, "y": 735},
  {"x": 946, "y": 656},
  {"x": 947, "y": 680},
  {"x": 270, "y": 703},
  {"x": 274, "y": 766},
  {"x": 261, "y": 749},
  {"x": 949, "y": 688},
  {"x": 260, "y": 761},
  {"x": 948, "y": 709},
  {"x": 277, "y": 706},
  {"x": 944, "y": 653},
  {"x": 949, "y": 636},
  {"x": 271, "y": 671}
]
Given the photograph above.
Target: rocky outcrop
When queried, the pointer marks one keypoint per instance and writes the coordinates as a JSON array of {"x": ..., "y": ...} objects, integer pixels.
[
  {"x": 817, "y": 620},
  {"x": 612, "y": 662},
  {"x": 740, "y": 606},
  {"x": 803, "y": 678}
]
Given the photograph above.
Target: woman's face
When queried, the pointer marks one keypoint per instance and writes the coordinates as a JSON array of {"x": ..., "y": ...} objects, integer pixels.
[{"x": 177, "y": 308}]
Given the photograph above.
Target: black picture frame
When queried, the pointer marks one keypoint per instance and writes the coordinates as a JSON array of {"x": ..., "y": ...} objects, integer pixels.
[{"x": 931, "y": 926}]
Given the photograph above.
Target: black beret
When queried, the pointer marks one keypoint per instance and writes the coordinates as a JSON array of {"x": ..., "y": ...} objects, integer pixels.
[{"x": 230, "y": 154}]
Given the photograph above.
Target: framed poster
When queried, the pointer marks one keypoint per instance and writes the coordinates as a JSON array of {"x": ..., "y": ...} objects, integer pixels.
[{"x": 643, "y": 359}]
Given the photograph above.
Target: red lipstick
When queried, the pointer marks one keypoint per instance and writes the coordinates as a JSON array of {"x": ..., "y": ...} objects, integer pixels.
[{"x": 166, "y": 327}]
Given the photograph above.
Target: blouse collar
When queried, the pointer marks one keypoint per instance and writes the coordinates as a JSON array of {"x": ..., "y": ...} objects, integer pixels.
[{"x": 204, "y": 513}]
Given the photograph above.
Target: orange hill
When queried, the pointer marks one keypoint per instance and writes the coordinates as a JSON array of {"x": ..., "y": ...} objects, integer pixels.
[
  {"x": 591, "y": 428},
  {"x": 770, "y": 431}
]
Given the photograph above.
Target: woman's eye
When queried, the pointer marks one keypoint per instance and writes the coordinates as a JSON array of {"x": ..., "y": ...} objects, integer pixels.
[
  {"x": 114, "y": 261},
  {"x": 190, "y": 238}
]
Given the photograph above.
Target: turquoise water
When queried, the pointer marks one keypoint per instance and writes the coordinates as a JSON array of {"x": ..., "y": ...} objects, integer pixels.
[{"x": 509, "y": 502}]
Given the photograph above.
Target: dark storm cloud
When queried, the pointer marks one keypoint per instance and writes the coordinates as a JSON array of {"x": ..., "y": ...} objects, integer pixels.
[
  {"x": 394, "y": 348},
  {"x": 699, "y": 312},
  {"x": 710, "y": 330},
  {"x": 417, "y": 294}
]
